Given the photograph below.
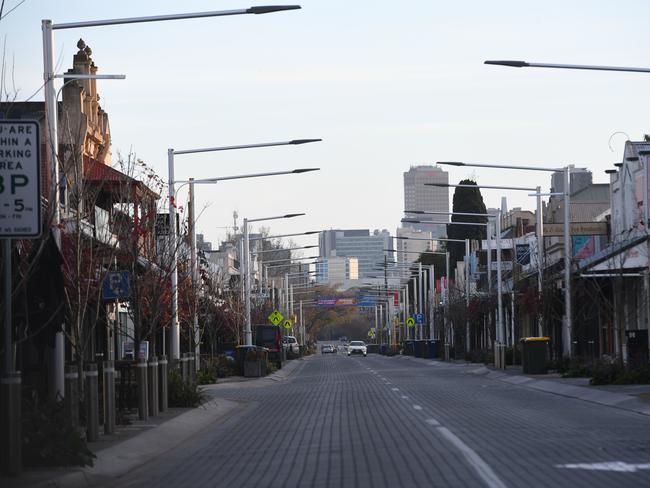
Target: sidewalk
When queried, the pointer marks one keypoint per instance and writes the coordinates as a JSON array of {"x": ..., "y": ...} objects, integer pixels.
[
  {"x": 142, "y": 441},
  {"x": 635, "y": 398}
]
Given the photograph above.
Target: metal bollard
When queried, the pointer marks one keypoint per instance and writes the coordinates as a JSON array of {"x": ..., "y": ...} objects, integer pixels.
[
  {"x": 11, "y": 421},
  {"x": 153, "y": 387},
  {"x": 72, "y": 394},
  {"x": 92, "y": 402},
  {"x": 109, "y": 397},
  {"x": 143, "y": 400},
  {"x": 191, "y": 366},
  {"x": 184, "y": 367},
  {"x": 162, "y": 384}
]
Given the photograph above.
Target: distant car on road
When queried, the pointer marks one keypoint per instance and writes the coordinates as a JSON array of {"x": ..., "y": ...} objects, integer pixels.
[
  {"x": 357, "y": 347},
  {"x": 327, "y": 348},
  {"x": 290, "y": 344}
]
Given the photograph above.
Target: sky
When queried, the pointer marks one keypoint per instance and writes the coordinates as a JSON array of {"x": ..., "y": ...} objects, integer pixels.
[{"x": 386, "y": 85}]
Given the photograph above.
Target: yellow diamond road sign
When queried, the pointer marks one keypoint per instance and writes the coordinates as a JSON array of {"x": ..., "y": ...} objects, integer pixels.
[
  {"x": 288, "y": 324},
  {"x": 276, "y": 317},
  {"x": 410, "y": 322}
]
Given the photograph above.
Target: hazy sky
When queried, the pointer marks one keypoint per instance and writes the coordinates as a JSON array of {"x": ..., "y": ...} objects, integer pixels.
[{"x": 385, "y": 84}]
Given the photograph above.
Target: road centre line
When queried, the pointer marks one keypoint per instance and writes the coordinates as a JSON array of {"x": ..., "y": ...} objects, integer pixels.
[{"x": 481, "y": 467}]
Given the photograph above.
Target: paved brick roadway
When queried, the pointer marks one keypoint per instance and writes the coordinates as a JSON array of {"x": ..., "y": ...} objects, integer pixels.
[{"x": 394, "y": 422}]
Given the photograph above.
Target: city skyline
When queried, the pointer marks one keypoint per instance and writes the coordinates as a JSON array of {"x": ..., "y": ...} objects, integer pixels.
[{"x": 265, "y": 86}]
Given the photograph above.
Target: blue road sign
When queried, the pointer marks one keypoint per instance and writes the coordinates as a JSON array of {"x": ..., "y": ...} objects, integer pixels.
[
  {"x": 419, "y": 318},
  {"x": 116, "y": 285}
]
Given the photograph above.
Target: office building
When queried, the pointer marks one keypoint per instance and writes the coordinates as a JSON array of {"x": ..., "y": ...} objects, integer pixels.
[
  {"x": 368, "y": 249},
  {"x": 418, "y": 196}
]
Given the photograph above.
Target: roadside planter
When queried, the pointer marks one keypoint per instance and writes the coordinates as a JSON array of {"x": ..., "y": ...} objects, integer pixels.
[{"x": 254, "y": 361}]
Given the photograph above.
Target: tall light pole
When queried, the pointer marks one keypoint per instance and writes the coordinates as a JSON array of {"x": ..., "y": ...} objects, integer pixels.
[
  {"x": 419, "y": 281},
  {"x": 51, "y": 154},
  {"x": 539, "y": 228},
  {"x": 568, "y": 319},
  {"x": 174, "y": 244},
  {"x": 567, "y": 179},
  {"x": 526, "y": 64},
  {"x": 51, "y": 129},
  {"x": 311, "y": 232},
  {"x": 193, "y": 258},
  {"x": 539, "y": 234},
  {"x": 248, "y": 331},
  {"x": 499, "y": 349}
]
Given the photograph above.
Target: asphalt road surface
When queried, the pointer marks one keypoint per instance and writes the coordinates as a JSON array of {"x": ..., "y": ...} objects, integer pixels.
[{"x": 394, "y": 422}]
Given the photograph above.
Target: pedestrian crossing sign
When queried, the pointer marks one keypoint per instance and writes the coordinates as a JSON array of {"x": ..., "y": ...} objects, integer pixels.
[
  {"x": 410, "y": 322},
  {"x": 276, "y": 317},
  {"x": 288, "y": 324}
]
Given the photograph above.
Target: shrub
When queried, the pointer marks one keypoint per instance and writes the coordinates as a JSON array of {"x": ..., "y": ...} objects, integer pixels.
[
  {"x": 271, "y": 367},
  {"x": 616, "y": 373},
  {"x": 576, "y": 368},
  {"x": 482, "y": 356},
  {"x": 183, "y": 393},
  {"x": 205, "y": 377},
  {"x": 49, "y": 439}
]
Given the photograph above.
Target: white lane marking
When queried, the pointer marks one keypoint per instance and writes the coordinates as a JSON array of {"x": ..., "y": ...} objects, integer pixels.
[
  {"x": 404, "y": 397},
  {"x": 617, "y": 466},
  {"x": 480, "y": 466},
  {"x": 417, "y": 407},
  {"x": 432, "y": 421},
  {"x": 395, "y": 389}
]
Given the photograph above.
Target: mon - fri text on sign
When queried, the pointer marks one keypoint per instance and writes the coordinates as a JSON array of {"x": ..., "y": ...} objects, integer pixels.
[{"x": 20, "y": 179}]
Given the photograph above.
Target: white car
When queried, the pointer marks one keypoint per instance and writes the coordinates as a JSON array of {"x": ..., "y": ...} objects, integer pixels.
[
  {"x": 357, "y": 347},
  {"x": 291, "y": 345}
]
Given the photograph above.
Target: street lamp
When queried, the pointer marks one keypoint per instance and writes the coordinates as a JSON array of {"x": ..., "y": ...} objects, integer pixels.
[
  {"x": 540, "y": 228},
  {"x": 248, "y": 332},
  {"x": 175, "y": 332},
  {"x": 525, "y": 64},
  {"x": 51, "y": 129},
  {"x": 568, "y": 320},
  {"x": 52, "y": 153},
  {"x": 283, "y": 249},
  {"x": 175, "y": 328},
  {"x": 501, "y": 334}
]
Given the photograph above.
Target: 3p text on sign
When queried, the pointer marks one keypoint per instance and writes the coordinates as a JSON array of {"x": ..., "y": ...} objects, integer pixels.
[{"x": 20, "y": 182}]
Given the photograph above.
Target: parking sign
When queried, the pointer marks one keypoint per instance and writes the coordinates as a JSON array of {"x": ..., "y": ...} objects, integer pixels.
[{"x": 20, "y": 179}]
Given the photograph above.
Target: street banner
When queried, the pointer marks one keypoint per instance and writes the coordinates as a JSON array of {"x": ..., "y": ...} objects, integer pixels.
[{"x": 336, "y": 301}]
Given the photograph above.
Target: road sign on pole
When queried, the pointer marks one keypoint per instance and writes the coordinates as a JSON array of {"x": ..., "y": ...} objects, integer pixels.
[
  {"x": 20, "y": 179},
  {"x": 287, "y": 324},
  {"x": 419, "y": 318},
  {"x": 276, "y": 317},
  {"x": 410, "y": 322},
  {"x": 116, "y": 285}
]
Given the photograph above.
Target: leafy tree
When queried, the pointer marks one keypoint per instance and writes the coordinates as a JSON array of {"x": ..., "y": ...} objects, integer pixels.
[{"x": 466, "y": 200}]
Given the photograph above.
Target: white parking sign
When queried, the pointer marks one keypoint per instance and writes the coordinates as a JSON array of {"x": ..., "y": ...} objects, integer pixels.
[{"x": 20, "y": 181}]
